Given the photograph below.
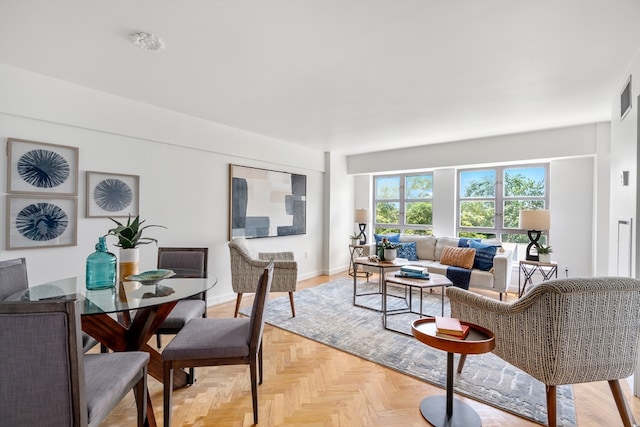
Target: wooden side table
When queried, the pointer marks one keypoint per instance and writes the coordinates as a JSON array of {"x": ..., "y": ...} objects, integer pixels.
[
  {"x": 528, "y": 268},
  {"x": 443, "y": 411}
]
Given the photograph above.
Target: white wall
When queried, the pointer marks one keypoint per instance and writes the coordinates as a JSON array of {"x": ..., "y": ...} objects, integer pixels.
[
  {"x": 183, "y": 164},
  {"x": 570, "y": 151},
  {"x": 625, "y": 201}
]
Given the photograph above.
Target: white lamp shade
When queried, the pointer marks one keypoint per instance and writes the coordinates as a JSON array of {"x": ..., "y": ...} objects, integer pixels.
[
  {"x": 535, "y": 219},
  {"x": 361, "y": 216}
]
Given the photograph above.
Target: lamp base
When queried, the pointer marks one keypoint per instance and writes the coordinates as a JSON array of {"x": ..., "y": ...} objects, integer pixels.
[
  {"x": 534, "y": 236},
  {"x": 362, "y": 236}
]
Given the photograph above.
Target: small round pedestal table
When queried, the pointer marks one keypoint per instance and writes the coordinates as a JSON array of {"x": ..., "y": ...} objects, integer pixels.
[{"x": 443, "y": 411}]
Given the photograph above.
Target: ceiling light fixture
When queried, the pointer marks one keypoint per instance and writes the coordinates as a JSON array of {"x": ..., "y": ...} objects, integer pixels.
[{"x": 147, "y": 41}]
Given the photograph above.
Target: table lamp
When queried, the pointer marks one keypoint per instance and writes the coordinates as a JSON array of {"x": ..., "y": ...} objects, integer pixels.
[
  {"x": 534, "y": 221},
  {"x": 360, "y": 217}
]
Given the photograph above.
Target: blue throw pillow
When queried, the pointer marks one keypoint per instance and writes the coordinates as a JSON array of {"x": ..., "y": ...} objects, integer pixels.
[
  {"x": 408, "y": 251},
  {"x": 393, "y": 238},
  {"x": 484, "y": 255}
]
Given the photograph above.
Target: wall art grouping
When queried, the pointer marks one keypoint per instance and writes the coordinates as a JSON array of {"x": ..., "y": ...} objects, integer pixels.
[
  {"x": 42, "y": 200},
  {"x": 266, "y": 203},
  {"x": 112, "y": 195}
]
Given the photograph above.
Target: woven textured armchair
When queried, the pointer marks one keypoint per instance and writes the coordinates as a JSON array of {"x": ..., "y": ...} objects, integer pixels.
[
  {"x": 247, "y": 266},
  {"x": 564, "y": 331}
]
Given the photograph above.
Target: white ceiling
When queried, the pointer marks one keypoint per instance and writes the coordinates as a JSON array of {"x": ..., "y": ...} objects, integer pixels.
[{"x": 347, "y": 76}]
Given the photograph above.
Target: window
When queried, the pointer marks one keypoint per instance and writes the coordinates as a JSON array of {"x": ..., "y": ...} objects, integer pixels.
[
  {"x": 403, "y": 204},
  {"x": 490, "y": 200}
]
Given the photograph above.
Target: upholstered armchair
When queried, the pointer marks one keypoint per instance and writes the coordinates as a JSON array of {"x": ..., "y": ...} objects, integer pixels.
[
  {"x": 565, "y": 331},
  {"x": 247, "y": 265}
]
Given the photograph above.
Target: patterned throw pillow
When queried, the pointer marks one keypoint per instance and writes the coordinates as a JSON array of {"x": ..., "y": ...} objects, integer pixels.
[
  {"x": 458, "y": 257},
  {"x": 484, "y": 255},
  {"x": 408, "y": 251}
]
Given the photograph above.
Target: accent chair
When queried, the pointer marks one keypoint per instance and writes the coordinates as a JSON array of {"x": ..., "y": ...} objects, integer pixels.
[
  {"x": 564, "y": 331},
  {"x": 247, "y": 266}
]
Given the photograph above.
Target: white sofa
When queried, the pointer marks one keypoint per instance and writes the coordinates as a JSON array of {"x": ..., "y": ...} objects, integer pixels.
[{"x": 429, "y": 250}]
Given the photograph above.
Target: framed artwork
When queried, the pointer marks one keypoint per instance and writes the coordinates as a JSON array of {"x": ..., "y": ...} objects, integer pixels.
[
  {"x": 41, "y": 221},
  {"x": 41, "y": 168},
  {"x": 112, "y": 195},
  {"x": 266, "y": 203}
]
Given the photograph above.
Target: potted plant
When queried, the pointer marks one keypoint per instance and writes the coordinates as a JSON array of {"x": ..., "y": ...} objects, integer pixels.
[
  {"x": 544, "y": 253},
  {"x": 355, "y": 239},
  {"x": 129, "y": 238},
  {"x": 387, "y": 251}
]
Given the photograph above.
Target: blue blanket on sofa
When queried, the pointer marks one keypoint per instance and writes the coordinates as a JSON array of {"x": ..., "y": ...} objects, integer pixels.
[{"x": 460, "y": 277}]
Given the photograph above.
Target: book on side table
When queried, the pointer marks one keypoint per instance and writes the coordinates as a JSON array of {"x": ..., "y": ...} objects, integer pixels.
[{"x": 450, "y": 327}]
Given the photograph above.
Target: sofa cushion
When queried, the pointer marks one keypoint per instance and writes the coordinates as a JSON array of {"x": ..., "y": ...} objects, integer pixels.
[
  {"x": 458, "y": 257},
  {"x": 408, "y": 250},
  {"x": 484, "y": 255},
  {"x": 425, "y": 245},
  {"x": 393, "y": 238}
]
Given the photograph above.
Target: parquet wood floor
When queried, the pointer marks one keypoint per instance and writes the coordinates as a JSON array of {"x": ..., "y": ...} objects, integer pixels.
[{"x": 311, "y": 385}]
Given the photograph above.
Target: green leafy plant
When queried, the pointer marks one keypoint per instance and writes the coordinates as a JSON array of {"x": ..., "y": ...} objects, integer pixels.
[
  {"x": 386, "y": 244},
  {"x": 544, "y": 249},
  {"x": 355, "y": 236},
  {"x": 130, "y": 234}
]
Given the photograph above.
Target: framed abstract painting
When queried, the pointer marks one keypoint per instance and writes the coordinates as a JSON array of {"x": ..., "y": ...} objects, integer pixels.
[
  {"x": 266, "y": 203},
  {"x": 112, "y": 195},
  {"x": 40, "y": 168},
  {"x": 41, "y": 221}
]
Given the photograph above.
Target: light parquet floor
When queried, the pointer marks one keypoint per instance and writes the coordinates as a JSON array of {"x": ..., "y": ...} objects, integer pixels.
[{"x": 307, "y": 384}]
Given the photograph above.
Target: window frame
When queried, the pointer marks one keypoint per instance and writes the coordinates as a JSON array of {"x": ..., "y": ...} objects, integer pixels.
[
  {"x": 402, "y": 201},
  {"x": 499, "y": 229}
]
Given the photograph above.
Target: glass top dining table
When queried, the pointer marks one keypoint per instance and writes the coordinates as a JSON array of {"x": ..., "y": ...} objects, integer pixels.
[{"x": 124, "y": 297}]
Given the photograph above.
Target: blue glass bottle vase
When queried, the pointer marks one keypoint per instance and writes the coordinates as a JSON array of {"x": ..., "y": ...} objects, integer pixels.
[{"x": 101, "y": 267}]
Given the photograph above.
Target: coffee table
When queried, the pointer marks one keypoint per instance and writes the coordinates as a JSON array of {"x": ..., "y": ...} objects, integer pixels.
[
  {"x": 443, "y": 411},
  {"x": 435, "y": 280}
]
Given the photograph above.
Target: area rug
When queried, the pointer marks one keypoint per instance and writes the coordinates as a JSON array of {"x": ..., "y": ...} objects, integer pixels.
[{"x": 326, "y": 314}]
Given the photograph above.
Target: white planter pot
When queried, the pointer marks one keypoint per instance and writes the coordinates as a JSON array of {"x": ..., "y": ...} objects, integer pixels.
[
  {"x": 546, "y": 258},
  {"x": 128, "y": 261},
  {"x": 390, "y": 254}
]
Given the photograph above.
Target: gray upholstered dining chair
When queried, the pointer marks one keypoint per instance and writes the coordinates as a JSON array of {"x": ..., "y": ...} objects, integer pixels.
[
  {"x": 185, "y": 262},
  {"x": 13, "y": 278},
  {"x": 48, "y": 381},
  {"x": 247, "y": 265},
  {"x": 564, "y": 331},
  {"x": 221, "y": 341}
]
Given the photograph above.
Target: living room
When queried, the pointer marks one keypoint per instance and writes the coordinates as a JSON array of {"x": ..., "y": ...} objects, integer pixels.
[{"x": 183, "y": 164}]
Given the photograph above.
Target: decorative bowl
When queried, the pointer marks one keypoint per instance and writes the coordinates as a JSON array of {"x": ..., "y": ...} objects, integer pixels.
[{"x": 151, "y": 277}]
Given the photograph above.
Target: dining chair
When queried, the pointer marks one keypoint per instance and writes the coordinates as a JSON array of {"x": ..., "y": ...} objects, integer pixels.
[
  {"x": 48, "y": 381},
  {"x": 188, "y": 263},
  {"x": 220, "y": 341},
  {"x": 247, "y": 265},
  {"x": 563, "y": 331},
  {"x": 13, "y": 278}
]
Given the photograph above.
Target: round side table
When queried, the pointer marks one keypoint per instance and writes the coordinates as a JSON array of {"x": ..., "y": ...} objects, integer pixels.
[{"x": 443, "y": 411}]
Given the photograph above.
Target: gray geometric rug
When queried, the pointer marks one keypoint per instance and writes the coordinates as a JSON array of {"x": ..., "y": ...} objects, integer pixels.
[{"x": 326, "y": 314}]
